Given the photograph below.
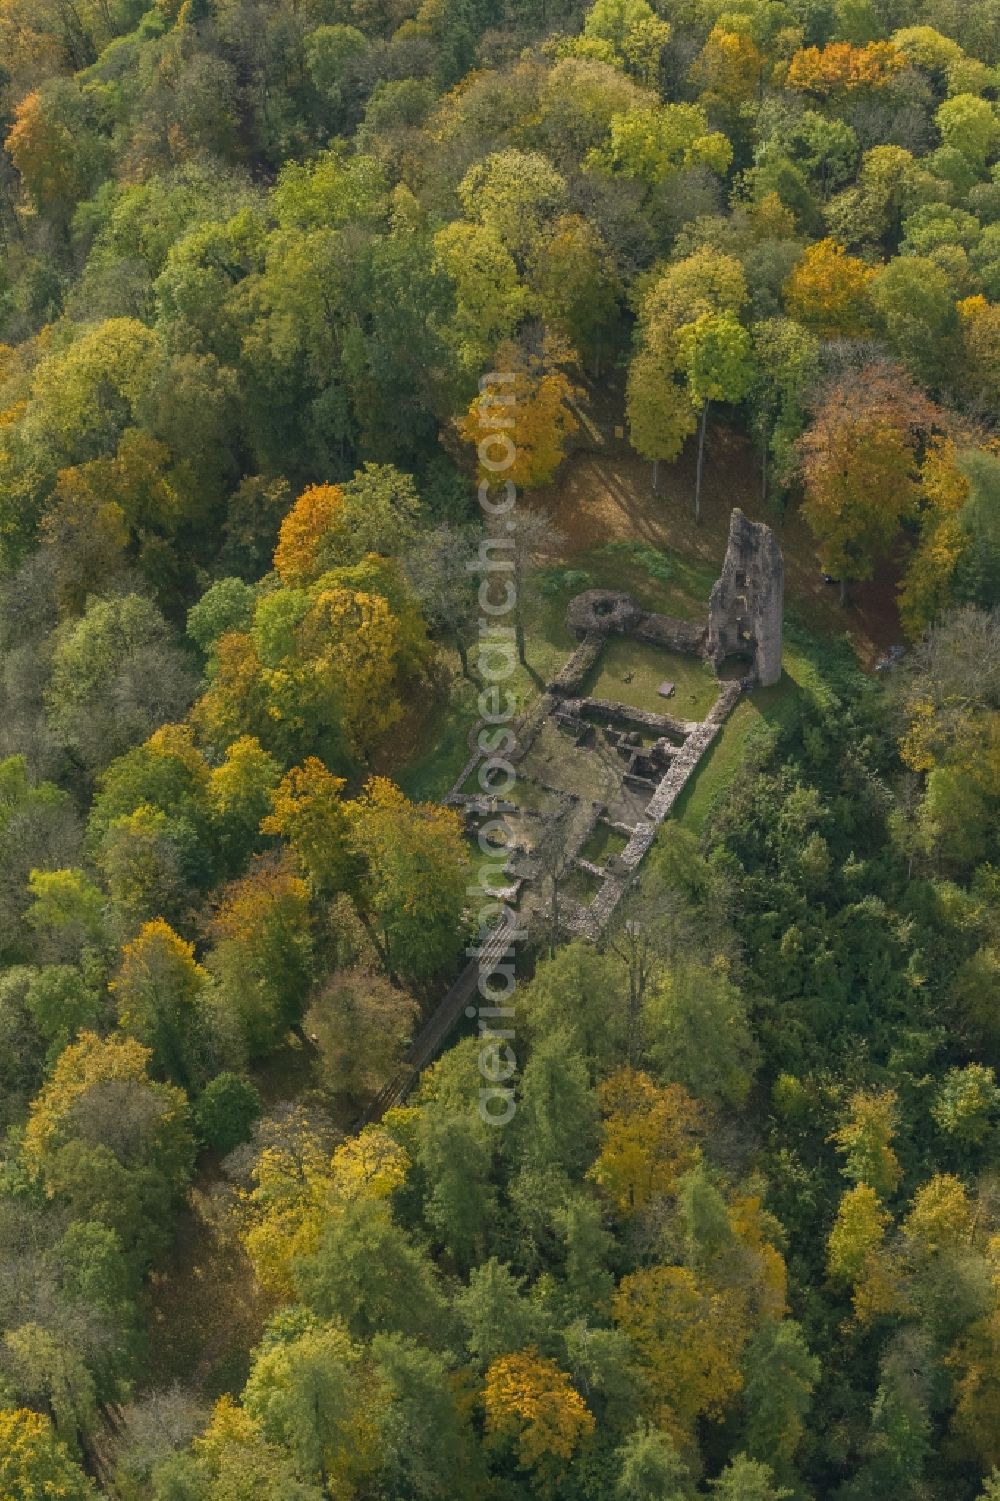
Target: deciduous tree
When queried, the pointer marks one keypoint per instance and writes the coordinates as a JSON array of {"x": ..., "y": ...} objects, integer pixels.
[
  {"x": 860, "y": 467},
  {"x": 157, "y": 991},
  {"x": 413, "y": 887},
  {"x": 687, "y": 1339},
  {"x": 827, "y": 291},
  {"x": 864, "y": 1140},
  {"x": 539, "y": 402},
  {"x": 361, "y": 1024},
  {"x": 110, "y": 1144},
  {"x": 648, "y": 1138},
  {"x": 715, "y": 355},
  {"x": 116, "y": 676},
  {"x": 697, "y": 1032},
  {"x": 261, "y": 957},
  {"x": 839, "y": 68},
  {"x": 779, "y": 1377},
  {"x": 530, "y": 1400},
  {"x": 309, "y": 813},
  {"x": 34, "y": 1464}
]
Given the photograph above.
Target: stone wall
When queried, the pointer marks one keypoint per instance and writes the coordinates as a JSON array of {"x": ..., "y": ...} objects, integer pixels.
[
  {"x": 597, "y": 613},
  {"x": 591, "y": 921},
  {"x": 744, "y": 619},
  {"x": 745, "y": 606}
]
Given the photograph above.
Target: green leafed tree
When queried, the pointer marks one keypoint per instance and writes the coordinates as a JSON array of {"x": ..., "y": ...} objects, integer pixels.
[{"x": 716, "y": 357}]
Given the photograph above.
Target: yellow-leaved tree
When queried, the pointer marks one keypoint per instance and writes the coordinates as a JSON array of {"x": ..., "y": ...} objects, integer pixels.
[
  {"x": 310, "y": 814},
  {"x": 530, "y": 1401},
  {"x": 109, "y": 1143},
  {"x": 297, "y": 1185},
  {"x": 688, "y": 1339},
  {"x": 979, "y": 326},
  {"x": 827, "y": 291},
  {"x": 858, "y": 1258},
  {"x": 864, "y": 1140},
  {"x": 927, "y": 587},
  {"x": 649, "y": 1135},
  {"x": 157, "y": 991}
]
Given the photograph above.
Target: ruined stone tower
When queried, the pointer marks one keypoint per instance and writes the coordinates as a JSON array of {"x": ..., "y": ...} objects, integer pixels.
[{"x": 744, "y": 609}]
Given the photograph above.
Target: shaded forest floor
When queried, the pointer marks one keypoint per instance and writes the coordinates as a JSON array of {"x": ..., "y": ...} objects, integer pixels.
[{"x": 605, "y": 493}]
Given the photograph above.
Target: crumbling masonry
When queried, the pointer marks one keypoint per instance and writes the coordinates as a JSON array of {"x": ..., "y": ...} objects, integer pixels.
[
  {"x": 592, "y": 768},
  {"x": 745, "y": 607},
  {"x": 618, "y": 766}
]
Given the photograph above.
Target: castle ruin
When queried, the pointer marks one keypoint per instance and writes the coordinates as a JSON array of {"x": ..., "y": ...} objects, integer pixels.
[
  {"x": 601, "y": 774},
  {"x": 596, "y": 766},
  {"x": 745, "y": 606}
]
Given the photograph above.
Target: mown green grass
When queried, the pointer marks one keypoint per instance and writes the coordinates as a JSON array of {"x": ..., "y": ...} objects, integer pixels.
[
  {"x": 632, "y": 671},
  {"x": 603, "y": 844},
  {"x": 803, "y": 661}
]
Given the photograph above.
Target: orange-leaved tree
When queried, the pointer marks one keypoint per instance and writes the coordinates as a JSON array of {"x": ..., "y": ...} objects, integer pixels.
[
  {"x": 840, "y": 68},
  {"x": 537, "y": 413},
  {"x": 860, "y": 462},
  {"x": 314, "y": 514}
]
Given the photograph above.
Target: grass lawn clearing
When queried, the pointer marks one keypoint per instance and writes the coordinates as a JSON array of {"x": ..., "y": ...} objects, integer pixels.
[
  {"x": 631, "y": 671},
  {"x": 802, "y": 674}
]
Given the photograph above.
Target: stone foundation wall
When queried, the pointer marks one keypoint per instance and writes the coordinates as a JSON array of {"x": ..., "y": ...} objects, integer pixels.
[
  {"x": 573, "y": 673},
  {"x": 606, "y": 612},
  {"x": 744, "y": 618},
  {"x": 591, "y": 922},
  {"x": 610, "y": 711}
]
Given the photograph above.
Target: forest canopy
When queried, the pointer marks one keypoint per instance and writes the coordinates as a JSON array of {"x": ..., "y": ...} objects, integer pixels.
[{"x": 741, "y": 1237}]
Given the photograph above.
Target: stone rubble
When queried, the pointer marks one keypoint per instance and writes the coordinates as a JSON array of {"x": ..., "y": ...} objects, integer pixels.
[{"x": 744, "y": 619}]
